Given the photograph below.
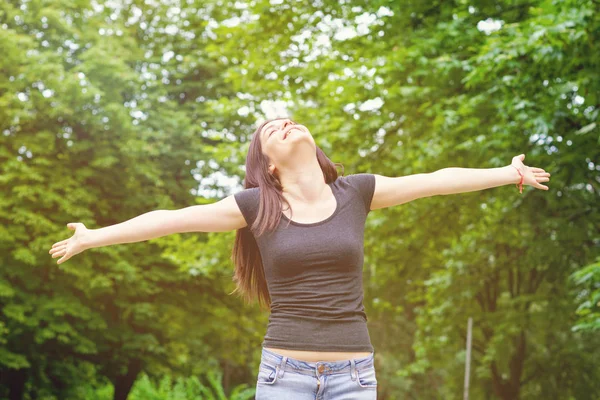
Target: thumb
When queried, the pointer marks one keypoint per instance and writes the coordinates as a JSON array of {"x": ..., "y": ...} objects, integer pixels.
[
  {"x": 71, "y": 226},
  {"x": 522, "y": 156}
]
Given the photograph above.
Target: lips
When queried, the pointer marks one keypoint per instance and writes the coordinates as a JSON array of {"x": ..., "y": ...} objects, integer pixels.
[{"x": 285, "y": 135}]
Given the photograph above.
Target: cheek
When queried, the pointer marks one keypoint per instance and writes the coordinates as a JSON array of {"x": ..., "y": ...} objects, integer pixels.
[{"x": 270, "y": 149}]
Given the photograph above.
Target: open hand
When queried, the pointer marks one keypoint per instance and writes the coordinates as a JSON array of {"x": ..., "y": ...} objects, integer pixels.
[
  {"x": 73, "y": 245},
  {"x": 532, "y": 175}
]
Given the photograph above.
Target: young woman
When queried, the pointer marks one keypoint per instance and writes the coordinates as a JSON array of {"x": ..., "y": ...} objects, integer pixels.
[{"x": 299, "y": 252}]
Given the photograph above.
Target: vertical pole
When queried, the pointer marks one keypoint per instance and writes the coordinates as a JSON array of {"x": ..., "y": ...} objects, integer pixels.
[{"x": 468, "y": 359}]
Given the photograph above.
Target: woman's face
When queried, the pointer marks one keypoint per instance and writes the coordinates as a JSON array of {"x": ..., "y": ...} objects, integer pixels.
[{"x": 285, "y": 142}]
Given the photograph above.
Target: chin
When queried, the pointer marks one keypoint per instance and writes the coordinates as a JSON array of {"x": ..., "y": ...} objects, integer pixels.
[{"x": 300, "y": 145}]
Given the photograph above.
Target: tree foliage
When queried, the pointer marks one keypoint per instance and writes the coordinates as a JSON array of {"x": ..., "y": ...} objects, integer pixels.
[{"x": 109, "y": 110}]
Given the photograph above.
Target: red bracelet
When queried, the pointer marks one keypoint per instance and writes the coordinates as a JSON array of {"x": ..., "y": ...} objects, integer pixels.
[{"x": 520, "y": 184}]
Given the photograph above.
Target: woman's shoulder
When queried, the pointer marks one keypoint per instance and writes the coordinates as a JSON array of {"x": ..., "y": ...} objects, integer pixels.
[
  {"x": 362, "y": 184},
  {"x": 359, "y": 181},
  {"x": 247, "y": 194}
]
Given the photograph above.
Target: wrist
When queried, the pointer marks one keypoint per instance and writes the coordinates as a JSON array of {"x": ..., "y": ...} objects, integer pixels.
[
  {"x": 515, "y": 176},
  {"x": 521, "y": 177},
  {"x": 87, "y": 239}
]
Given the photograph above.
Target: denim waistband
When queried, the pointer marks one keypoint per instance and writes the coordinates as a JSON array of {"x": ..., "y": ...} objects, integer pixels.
[{"x": 316, "y": 368}]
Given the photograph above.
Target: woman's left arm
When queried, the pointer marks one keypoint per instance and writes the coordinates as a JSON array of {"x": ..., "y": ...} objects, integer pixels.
[{"x": 394, "y": 191}]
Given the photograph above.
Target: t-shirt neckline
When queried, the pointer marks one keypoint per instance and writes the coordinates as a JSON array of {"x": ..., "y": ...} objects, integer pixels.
[{"x": 337, "y": 207}]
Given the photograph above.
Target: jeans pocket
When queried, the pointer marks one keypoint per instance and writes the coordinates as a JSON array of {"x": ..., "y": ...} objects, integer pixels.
[
  {"x": 367, "y": 377},
  {"x": 267, "y": 374}
]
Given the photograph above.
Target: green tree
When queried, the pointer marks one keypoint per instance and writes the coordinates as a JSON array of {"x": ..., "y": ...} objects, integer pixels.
[
  {"x": 110, "y": 111},
  {"x": 100, "y": 125},
  {"x": 402, "y": 88}
]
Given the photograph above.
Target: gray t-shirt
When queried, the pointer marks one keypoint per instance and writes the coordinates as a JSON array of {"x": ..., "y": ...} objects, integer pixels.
[{"x": 314, "y": 272}]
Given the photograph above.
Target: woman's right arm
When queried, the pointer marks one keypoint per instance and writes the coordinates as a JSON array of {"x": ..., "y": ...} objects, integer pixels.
[{"x": 223, "y": 215}]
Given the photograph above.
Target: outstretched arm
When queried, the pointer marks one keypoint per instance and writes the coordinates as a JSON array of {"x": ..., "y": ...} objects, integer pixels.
[
  {"x": 223, "y": 215},
  {"x": 393, "y": 191}
]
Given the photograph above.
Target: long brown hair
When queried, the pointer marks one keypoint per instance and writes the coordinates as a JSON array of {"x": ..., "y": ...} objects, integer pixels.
[{"x": 249, "y": 273}]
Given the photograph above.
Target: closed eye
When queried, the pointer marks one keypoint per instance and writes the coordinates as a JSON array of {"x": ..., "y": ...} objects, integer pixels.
[{"x": 283, "y": 126}]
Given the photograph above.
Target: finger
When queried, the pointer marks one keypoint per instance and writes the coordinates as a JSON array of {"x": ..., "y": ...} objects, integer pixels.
[
  {"x": 60, "y": 243},
  {"x": 58, "y": 248},
  {"x": 536, "y": 169},
  {"x": 62, "y": 260},
  {"x": 59, "y": 253},
  {"x": 542, "y": 179}
]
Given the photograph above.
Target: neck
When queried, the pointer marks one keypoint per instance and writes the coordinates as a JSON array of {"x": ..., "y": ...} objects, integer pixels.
[{"x": 304, "y": 183}]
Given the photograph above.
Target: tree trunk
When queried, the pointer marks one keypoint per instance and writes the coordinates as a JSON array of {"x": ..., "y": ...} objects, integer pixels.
[
  {"x": 124, "y": 383},
  {"x": 16, "y": 383},
  {"x": 510, "y": 389}
]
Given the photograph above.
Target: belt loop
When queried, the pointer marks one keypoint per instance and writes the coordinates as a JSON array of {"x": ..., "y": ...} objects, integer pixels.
[
  {"x": 282, "y": 366},
  {"x": 352, "y": 369}
]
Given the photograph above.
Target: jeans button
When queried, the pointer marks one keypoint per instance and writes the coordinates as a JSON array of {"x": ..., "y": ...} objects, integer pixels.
[{"x": 320, "y": 368}]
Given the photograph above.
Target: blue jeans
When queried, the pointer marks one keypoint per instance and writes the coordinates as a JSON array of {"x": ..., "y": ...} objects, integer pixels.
[{"x": 287, "y": 378}]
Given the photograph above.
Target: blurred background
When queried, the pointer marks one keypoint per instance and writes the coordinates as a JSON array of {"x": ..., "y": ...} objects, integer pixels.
[{"x": 110, "y": 109}]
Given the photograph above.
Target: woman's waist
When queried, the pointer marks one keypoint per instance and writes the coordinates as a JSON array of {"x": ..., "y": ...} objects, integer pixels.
[
  {"x": 315, "y": 356},
  {"x": 326, "y": 315},
  {"x": 318, "y": 339}
]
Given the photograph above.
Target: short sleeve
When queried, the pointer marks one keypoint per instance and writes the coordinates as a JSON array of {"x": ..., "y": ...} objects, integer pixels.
[
  {"x": 248, "y": 202},
  {"x": 365, "y": 186}
]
